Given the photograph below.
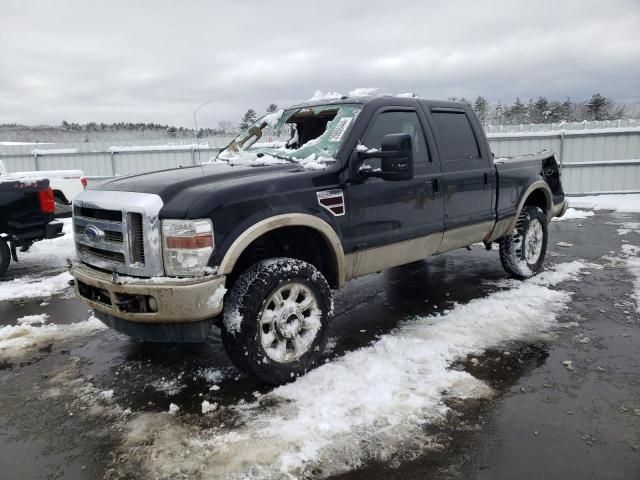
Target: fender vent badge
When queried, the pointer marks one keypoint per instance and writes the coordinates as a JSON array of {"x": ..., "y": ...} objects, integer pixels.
[{"x": 332, "y": 200}]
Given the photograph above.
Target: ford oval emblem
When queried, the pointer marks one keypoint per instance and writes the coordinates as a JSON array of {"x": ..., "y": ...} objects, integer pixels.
[{"x": 93, "y": 233}]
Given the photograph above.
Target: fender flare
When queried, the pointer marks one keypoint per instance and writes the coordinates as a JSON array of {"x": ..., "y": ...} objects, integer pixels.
[
  {"x": 279, "y": 221},
  {"x": 506, "y": 225}
]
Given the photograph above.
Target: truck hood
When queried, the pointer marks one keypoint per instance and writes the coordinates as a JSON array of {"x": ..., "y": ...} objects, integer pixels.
[{"x": 179, "y": 188}]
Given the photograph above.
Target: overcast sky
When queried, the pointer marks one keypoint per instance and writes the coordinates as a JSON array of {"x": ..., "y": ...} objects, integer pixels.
[{"x": 156, "y": 61}]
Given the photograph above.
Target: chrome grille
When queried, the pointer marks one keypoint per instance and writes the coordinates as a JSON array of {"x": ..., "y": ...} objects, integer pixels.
[
  {"x": 119, "y": 231},
  {"x": 137, "y": 237}
]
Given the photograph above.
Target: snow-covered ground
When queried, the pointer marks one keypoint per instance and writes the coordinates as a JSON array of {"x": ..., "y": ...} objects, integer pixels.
[
  {"x": 573, "y": 214},
  {"x": 626, "y": 203},
  {"x": 370, "y": 403},
  {"x": 16, "y": 339},
  {"x": 44, "y": 264}
]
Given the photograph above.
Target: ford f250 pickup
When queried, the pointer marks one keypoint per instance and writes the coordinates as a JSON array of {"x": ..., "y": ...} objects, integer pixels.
[{"x": 255, "y": 241}]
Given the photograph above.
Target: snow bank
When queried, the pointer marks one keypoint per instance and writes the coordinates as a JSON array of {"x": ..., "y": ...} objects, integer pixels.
[
  {"x": 15, "y": 339},
  {"x": 370, "y": 404},
  {"x": 573, "y": 214},
  {"x": 34, "y": 287},
  {"x": 620, "y": 203},
  {"x": 631, "y": 256},
  {"x": 33, "y": 319}
]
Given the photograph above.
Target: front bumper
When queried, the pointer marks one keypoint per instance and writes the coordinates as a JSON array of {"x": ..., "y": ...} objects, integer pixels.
[{"x": 175, "y": 301}]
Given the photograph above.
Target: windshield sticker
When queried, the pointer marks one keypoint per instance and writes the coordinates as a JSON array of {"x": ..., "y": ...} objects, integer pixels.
[{"x": 341, "y": 127}]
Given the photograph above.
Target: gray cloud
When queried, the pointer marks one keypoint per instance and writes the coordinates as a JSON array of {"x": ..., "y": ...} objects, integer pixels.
[{"x": 158, "y": 60}]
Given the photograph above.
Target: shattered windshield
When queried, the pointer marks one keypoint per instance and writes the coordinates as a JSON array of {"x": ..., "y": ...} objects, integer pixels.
[{"x": 308, "y": 136}]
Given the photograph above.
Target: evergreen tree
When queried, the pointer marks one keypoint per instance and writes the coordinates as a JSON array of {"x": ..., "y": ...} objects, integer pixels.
[
  {"x": 517, "y": 112},
  {"x": 481, "y": 107},
  {"x": 567, "y": 111},
  {"x": 539, "y": 111},
  {"x": 272, "y": 108},
  {"x": 249, "y": 117},
  {"x": 498, "y": 116},
  {"x": 599, "y": 108}
]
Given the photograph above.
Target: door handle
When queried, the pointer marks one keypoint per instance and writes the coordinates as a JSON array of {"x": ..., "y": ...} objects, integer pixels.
[{"x": 432, "y": 186}]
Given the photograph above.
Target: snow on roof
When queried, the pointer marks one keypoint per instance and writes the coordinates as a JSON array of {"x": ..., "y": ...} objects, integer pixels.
[
  {"x": 318, "y": 95},
  {"x": 363, "y": 92}
]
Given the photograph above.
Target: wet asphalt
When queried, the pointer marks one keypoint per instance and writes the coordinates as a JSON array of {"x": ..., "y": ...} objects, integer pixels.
[{"x": 545, "y": 421}]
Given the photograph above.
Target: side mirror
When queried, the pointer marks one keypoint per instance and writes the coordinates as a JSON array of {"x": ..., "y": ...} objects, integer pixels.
[{"x": 396, "y": 157}]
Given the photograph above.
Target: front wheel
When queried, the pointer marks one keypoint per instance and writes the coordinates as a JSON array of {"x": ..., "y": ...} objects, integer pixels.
[
  {"x": 276, "y": 319},
  {"x": 522, "y": 253}
]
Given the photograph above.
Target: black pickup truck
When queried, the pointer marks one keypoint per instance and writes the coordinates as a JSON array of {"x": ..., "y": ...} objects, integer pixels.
[
  {"x": 357, "y": 185},
  {"x": 26, "y": 212}
]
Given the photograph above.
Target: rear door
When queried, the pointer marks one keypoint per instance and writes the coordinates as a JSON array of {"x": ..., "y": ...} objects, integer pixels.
[
  {"x": 382, "y": 211},
  {"x": 469, "y": 175}
]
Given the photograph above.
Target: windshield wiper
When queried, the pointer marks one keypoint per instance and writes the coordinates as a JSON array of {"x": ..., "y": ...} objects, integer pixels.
[{"x": 281, "y": 157}]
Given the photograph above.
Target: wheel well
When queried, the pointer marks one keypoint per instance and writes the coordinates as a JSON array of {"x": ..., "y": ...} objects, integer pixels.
[
  {"x": 537, "y": 198},
  {"x": 302, "y": 243}
]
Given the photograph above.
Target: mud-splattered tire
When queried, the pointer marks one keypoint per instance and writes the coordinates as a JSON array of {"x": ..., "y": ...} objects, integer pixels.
[
  {"x": 5, "y": 256},
  {"x": 522, "y": 253},
  {"x": 276, "y": 319}
]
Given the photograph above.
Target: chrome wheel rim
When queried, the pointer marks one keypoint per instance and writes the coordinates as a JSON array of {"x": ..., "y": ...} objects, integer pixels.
[
  {"x": 289, "y": 322},
  {"x": 533, "y": 242}
]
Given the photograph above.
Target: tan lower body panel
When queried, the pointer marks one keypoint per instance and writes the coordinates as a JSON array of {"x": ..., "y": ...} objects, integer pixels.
[
  {"x": 376, "y": 259},
  {"x": 502, "y": 228},
  {"x": 464, "y": 236}
]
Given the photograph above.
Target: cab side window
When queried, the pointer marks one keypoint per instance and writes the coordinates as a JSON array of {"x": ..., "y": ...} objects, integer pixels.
[
  {"x": 396, "y": 122},
  {"x": 455, "y": 136}
]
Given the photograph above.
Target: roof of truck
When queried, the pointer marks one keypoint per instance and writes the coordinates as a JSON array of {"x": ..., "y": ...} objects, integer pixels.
[{"x": 382, "y": 99}]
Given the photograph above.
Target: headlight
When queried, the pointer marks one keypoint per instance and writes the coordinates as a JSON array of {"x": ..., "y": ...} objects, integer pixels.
[{"x": 186, "y": 246}]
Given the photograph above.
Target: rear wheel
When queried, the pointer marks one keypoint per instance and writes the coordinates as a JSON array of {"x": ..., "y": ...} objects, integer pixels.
[
  {"x": 276, "y": 319},
  {"x": 522, "y": 253},
  {"x": 5, "y": 256}
]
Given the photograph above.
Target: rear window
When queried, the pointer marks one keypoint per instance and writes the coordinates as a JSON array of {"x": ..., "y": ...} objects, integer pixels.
[{"x": 455, "y": 135}]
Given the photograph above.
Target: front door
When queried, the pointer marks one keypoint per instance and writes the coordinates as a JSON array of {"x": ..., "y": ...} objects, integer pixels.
[{"x": 382, "y": 211}]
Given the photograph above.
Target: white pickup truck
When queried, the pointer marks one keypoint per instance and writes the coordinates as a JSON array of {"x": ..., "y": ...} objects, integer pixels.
[{"x": 66, "y": 184}]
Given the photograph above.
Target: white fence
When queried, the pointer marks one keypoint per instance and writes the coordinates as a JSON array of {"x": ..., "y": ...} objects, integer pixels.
[
  {"x": 595, "y": 157},
  {"x": 604, "y": 160}
]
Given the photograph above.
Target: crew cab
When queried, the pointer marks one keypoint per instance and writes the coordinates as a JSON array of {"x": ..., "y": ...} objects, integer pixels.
[
  {"x": 26, "y": 215},
  {"x": 255, "y": 241}
]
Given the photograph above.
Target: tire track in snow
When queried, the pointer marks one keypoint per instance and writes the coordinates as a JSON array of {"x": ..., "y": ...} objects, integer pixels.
[{"x": 371, "y": 403}]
